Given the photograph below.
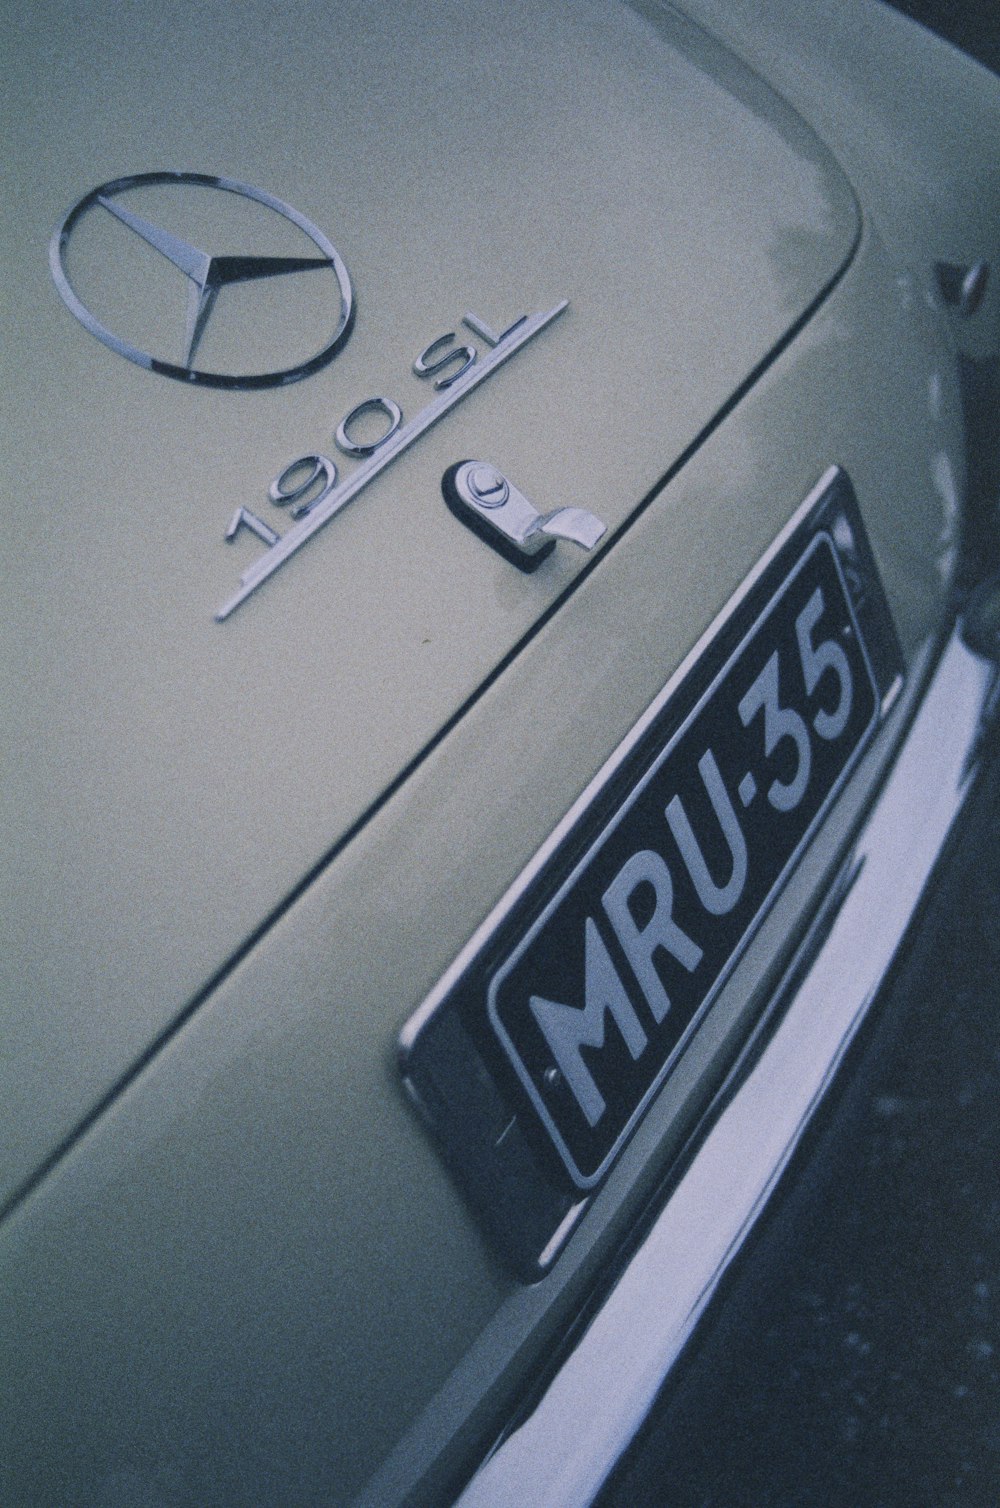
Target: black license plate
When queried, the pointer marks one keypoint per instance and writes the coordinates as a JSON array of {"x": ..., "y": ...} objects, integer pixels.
[
  {"x": 602, "y": 991},
  {"x": 539, "y": 1052}
]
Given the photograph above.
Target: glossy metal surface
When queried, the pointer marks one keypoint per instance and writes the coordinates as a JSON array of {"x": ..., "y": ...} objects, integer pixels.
[
  {"x": 560, "y": 1456},
  {"x": 207, "y": 275},
  {"x": 482, "y": 496},
  {"x": 924, "y": 175},
  {"x": 444, "y": 354},
  {"x": 380, "y": 454},
  {"x": 174, "y": 782},
  {"x": 229, "y": 1239},
  {"x": 963, "y": 287},
  {"x": 257, "y": 1201}
]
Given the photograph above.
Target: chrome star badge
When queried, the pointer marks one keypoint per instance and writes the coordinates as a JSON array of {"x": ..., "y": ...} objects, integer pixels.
[{"x": 211, "y": 273}]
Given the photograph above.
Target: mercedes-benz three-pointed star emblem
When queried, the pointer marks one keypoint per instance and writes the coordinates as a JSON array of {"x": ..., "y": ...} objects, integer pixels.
[{"x": 207, "y": 274}]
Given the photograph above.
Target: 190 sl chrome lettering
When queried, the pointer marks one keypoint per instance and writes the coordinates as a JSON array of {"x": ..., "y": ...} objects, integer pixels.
[
  {"x": 381, "y": 452},
  {"x": 364, "y": 448},
  {"x": 444, "y": 354},
  {"x": 297, "y": 482}
]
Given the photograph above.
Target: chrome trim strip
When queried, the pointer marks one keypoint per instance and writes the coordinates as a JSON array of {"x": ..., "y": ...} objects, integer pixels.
[
  {"x": 597, "y": 1400},
  {"x": 387, "y": 451}
]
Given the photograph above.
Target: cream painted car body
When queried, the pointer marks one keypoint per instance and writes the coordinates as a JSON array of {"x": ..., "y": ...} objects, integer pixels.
[{"x": 242, "y": 853}]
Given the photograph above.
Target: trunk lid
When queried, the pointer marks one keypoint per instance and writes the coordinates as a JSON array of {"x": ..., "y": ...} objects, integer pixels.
[{"x": 172, "y": 780}]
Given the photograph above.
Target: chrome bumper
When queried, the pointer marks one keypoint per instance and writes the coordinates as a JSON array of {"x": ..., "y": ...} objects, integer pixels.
[{"x": 602, "y": 1392}]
